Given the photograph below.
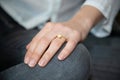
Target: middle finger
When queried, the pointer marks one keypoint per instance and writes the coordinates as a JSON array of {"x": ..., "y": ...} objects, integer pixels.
[
  {"x": 53, "y": 48},
  {"x": 40, "y": 49}
]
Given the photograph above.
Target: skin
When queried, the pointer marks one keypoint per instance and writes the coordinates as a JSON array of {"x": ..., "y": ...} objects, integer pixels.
[{"x": 45, "y": 44}]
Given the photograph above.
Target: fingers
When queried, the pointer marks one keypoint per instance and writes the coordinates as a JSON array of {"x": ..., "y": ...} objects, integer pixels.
[
  {"x": 47, "y": 42},
  {"x": 44, "y": 57},
  {"x": 67, "y": 50},
  {"x": 31, "y": 58},
  {"x": 36, "y": 55},
  {"x": 32, "y": 45},
  {"x": 30, "y": 48},
  {"x": 39, "y": 35},
  {"x": 53, "y": 48}
]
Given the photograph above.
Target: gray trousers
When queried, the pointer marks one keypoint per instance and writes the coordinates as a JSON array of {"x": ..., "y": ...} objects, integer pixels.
[
  {"x": 105, "y": 54},
  {"x": 75, "y": 67}
]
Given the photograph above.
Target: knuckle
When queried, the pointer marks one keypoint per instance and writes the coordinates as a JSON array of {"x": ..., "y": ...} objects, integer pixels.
[
  {"x": 44, "y": 40},
  {"x": 30, "y": 51},
  {"x": 32, "y": 48},
  {"x": 34, "y": 41},
  {"x": 49, "y": 53},
  {"x": 28, "y": 54},
  {"x": 47, "y": 57},
  {"x": 35, "y": 56},
  {"x": 36, "y": 53},
  {"x": 66, "y": 51},
  {"x": 59, "y": 25},
  {"x": 49, "y": 24},
  {"x": 56, "y": 43},
  {"x": 35, "y": 38},
  {"x": 73, "y": 42},
  {"x": 76, "y": 33},
  {"x": 76, "y": 36}
]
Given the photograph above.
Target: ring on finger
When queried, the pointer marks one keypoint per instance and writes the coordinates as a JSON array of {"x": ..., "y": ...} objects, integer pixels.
[{"x": 61, "y": 36}]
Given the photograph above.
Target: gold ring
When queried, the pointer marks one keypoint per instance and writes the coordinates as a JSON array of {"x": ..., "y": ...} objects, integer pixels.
[{"x": 60, "y": 36}]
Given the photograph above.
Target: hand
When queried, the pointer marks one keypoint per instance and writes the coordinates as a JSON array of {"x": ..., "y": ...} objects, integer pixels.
[{"x": 45, "y": 44}]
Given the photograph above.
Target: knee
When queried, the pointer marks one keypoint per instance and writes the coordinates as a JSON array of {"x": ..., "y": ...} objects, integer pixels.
[
  {"x": 75, "y": 67},
  {"x": 81, "y": 61}
]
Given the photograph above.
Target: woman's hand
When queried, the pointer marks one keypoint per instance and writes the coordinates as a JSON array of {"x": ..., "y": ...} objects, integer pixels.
[{"x": 47, "y": 42}]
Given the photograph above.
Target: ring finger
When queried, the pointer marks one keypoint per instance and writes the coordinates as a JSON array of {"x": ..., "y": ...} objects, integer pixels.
[{"x": 53, "y": 48}]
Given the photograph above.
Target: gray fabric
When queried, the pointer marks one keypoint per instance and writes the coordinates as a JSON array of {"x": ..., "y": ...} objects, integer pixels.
[
  {"x": 75, "y": 67},
  {"x": 105, "y": 55},
  {"x": 12, "y": 46},
  {"x": 106, "y": 63}
]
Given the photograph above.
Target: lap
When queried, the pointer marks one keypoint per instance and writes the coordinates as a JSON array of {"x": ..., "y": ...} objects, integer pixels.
[
  {"x": 75, "y": 67},
  {"x": 12, "y": 47}
]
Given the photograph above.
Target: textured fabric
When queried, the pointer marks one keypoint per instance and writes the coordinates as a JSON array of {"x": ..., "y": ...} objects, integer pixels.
[
  {"x": 106, "y": 63},
  {"x": 105, "y": 56},
  {"x": 75, "y": 67},
  {"x": 13, "y": 47},
  {"x": 31, "y": 13}
]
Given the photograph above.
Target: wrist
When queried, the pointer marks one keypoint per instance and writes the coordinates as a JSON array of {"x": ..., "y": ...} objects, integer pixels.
[
  {"x": 83, "y": 23},
  {"x": 88, "y": 16}
]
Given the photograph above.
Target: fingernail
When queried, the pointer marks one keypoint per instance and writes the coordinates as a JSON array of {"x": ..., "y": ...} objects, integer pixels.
[
  {"x": 26, "y": 60},
  {"x": 61, "y": 57},
  {"x": 32, "y": 63},
  {"x": 42, "y": 63}
]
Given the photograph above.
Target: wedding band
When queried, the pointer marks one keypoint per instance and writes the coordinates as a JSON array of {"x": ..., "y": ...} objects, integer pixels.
[{"x": 60, "y": 36}]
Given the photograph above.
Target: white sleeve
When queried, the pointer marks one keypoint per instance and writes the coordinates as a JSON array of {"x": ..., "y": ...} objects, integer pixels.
[{"x": 109, "y": 9}]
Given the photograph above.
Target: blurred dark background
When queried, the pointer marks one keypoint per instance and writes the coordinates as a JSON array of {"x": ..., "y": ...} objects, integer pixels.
[{"x": 105, "y": 53}]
